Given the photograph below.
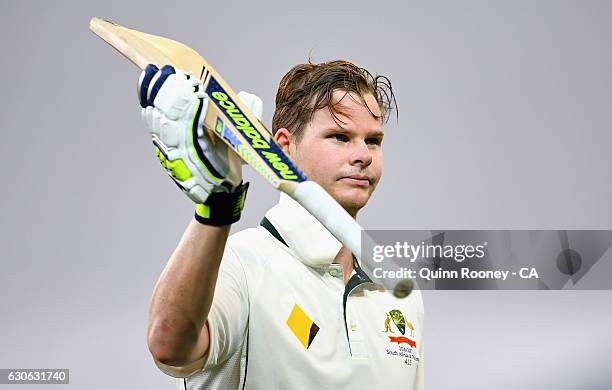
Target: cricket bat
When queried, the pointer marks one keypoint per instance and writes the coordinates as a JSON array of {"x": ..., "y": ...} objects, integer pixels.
[{"x": 234, "y": 124}]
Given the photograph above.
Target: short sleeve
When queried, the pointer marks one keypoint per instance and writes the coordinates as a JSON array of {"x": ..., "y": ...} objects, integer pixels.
[{"x": 229, "y": 313}]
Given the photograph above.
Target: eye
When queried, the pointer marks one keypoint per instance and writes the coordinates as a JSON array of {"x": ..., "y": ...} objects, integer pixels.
[
  {"x": 373, "y": 141},
  {"x": 340, "y": 137}
]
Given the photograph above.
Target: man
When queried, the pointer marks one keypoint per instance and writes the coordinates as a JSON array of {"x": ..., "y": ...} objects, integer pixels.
[{"x": 283, "y": 305}]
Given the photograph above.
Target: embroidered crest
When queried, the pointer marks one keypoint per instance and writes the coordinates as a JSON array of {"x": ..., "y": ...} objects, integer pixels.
[{"x": 403, "y": 345}]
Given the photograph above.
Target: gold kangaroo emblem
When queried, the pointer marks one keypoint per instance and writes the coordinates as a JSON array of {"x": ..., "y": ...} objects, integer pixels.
[
  {"x": 411, "y": 327},
  {"x": 388, "y": 325}
]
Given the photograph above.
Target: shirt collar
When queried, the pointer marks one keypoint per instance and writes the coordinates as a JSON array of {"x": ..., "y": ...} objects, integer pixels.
[{"x": 311, "y": 242}]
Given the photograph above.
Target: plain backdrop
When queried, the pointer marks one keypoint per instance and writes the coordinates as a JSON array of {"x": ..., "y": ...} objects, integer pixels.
[{"x": 505, "y": 114}]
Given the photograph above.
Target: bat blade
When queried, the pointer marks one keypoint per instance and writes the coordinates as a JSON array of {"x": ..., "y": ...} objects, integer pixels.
[
  {"x": 226, "y": 118},
  {"x": 143, "y": 49}
]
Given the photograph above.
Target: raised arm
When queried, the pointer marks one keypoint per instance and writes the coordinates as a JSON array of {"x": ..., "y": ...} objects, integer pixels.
[
  {"x": 173, "y": 107},
  {"x": 177, "y": 334}
]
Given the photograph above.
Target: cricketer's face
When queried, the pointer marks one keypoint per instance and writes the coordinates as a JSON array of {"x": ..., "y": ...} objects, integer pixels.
[{"x": 345, "y": 160}]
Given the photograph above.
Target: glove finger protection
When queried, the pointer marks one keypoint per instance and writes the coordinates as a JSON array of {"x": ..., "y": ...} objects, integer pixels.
[{"x": 207, "y": 171}]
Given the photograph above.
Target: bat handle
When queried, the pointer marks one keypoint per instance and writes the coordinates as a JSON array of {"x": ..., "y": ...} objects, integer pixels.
[
  {"x": 331, "y": 215},
  {"x": 342, "y": 226}
]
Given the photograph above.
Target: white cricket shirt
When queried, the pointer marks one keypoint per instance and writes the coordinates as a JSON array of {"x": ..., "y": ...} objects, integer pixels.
[{"x": 279, "y": 318}]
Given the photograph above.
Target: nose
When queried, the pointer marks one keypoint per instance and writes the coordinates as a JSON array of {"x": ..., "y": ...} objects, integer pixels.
[{"x": 361, "y": 154}]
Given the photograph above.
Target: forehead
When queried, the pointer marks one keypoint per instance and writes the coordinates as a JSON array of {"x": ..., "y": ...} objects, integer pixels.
[{"x": 351, "y": 110}]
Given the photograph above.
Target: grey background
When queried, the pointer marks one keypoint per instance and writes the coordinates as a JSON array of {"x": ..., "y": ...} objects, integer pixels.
[{"x": 504, "y": 123}]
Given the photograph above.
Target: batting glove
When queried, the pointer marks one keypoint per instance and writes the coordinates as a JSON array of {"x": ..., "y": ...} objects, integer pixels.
[{"x": 206, "y": 170}]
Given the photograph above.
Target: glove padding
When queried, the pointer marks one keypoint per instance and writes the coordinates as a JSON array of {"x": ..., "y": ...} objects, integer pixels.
[{"x": 174, "y": 106}]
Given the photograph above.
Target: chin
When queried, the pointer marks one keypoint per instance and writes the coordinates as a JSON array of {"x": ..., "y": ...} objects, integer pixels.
[{"x": 352, "y": 201}]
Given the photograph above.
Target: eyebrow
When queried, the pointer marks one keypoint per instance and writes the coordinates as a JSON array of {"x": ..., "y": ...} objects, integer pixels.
[{"x": 371, "y": 133}]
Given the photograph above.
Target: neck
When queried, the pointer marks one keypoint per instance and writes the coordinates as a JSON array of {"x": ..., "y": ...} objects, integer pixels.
[{"x": 345, "y": 258}]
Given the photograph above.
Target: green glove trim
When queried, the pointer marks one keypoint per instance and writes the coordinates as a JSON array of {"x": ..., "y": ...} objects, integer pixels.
[
  {"x": 222, "y": 208},
  {"x": 177, "y": 168}
]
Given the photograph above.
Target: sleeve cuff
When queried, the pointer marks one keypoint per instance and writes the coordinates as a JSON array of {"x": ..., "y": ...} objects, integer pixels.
[{"x": 182, "y": 371}]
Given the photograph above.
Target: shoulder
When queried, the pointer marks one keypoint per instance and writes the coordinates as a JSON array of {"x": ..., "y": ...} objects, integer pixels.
[
  {"x": 247, "y": 236},
  {"x": 251, "y": 255},
  {"x": 254, "y": 246}
]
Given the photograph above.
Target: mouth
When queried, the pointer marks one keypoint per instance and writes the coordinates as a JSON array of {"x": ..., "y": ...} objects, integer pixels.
[{"x": 357, "y": 180}]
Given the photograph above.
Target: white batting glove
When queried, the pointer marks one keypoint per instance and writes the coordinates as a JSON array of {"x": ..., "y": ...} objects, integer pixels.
[{"x": 174, "y": 106}]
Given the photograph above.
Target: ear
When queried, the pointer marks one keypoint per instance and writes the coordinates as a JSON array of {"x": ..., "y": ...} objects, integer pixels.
[{"x": 285, "y": 140}]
